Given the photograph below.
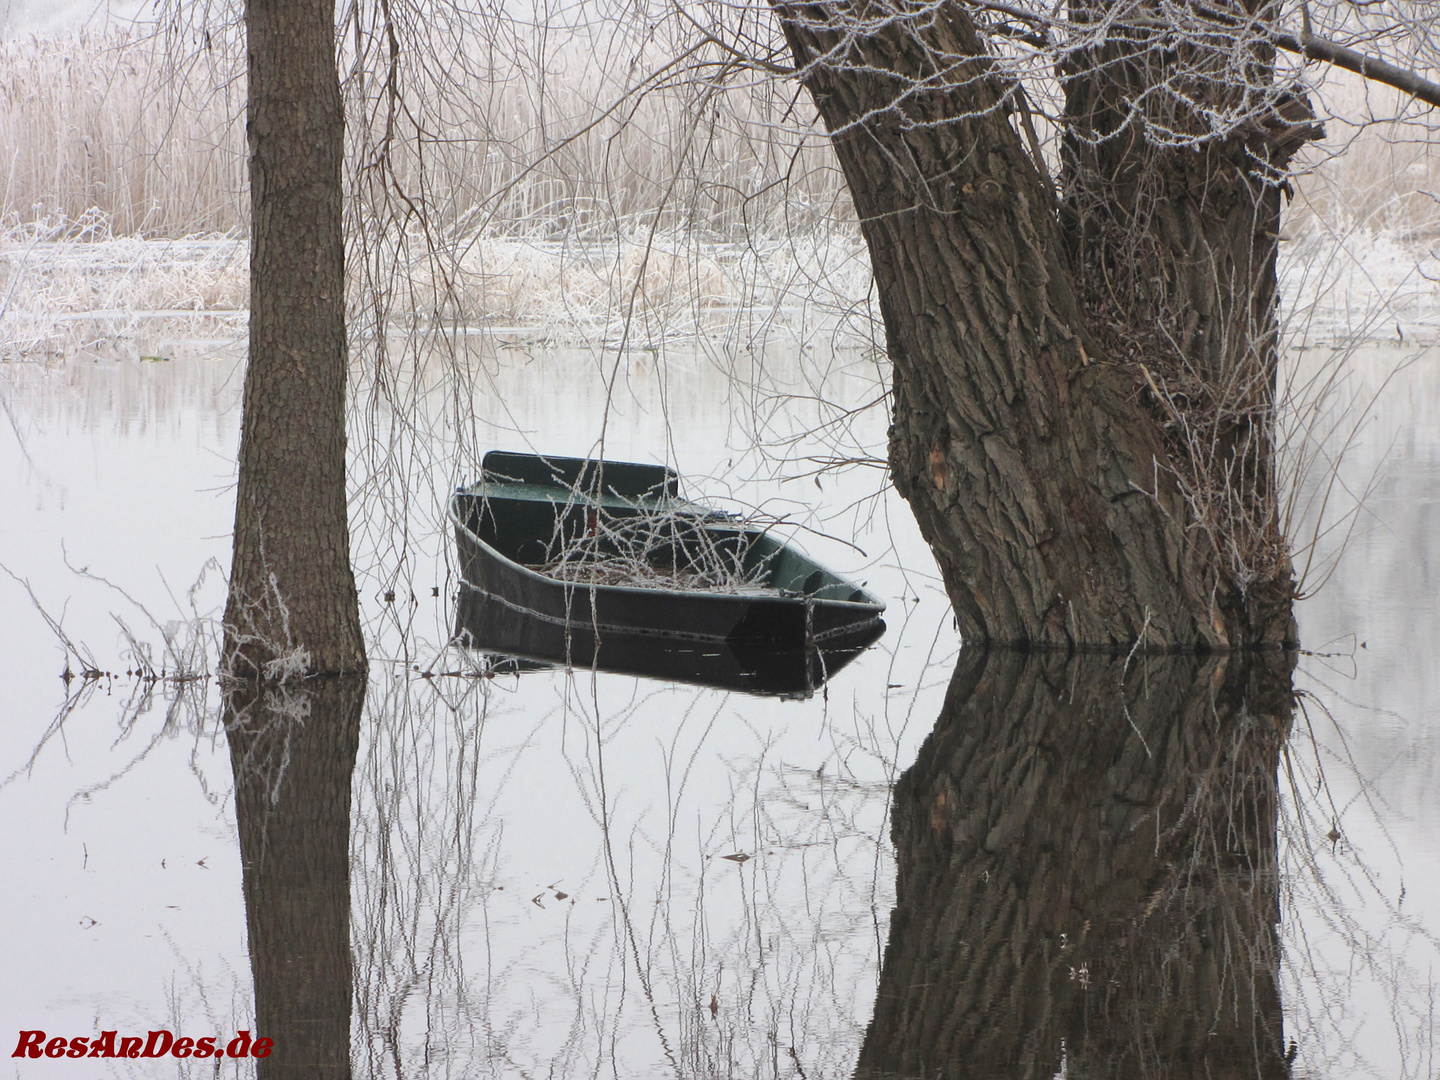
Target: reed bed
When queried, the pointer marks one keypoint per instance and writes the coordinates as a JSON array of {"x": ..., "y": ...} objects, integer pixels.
[
  {"x": 119, "y": 127},
  {"x": 513, "y": 133},
  {"x": 542, "y": 133},
  {"x": 573, "y": 178},
  {"x": 1377, "y": 170}
]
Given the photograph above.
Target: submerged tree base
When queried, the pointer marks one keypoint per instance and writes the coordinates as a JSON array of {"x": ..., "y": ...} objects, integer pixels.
[{"x": 292, "y": 608}]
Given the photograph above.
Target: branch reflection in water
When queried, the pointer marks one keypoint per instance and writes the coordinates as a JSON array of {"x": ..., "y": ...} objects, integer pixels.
[
  {"x": 1087, "y": 874},
  {"x": 1087, "y": 882}
]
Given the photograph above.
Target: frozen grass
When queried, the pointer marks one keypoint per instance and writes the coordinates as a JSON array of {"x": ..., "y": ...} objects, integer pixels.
[
  {"x": 67, "y": 287},
  {"x": 1351, "y": 285},
  {"x": 661, "y": 287},
  {"x": 571, "y": 182},
  {"x": 70, "y": 286}
]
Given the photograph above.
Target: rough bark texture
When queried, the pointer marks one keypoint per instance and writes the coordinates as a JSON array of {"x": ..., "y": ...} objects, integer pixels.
[
  {"x": 292, "y": 590},
  {"x": 1087, "y": 870},
  {"x": 1042, "y": 477},
  {"x": 1175, "y": 157},
  {"x": 293, "y": 753}
]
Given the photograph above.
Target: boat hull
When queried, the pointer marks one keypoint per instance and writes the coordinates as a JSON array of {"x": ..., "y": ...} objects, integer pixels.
[
  {"x": 749, "y": 667},
  {"x": 676, "y": 614}
]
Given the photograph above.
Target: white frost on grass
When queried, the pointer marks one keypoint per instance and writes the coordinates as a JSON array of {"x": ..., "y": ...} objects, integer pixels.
[
  {"x": 1359, "y": 285},
  {"x": 643, "y": 289},
  {"x": 72, "y": 286},
  {"x": 69, "y": 286}
]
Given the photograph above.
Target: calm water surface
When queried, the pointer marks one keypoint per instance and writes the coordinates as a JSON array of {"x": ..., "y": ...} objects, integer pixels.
[{"x": 1157, "y": 869}]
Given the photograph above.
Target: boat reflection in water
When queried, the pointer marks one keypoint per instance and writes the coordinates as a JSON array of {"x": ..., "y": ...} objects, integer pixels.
[
  {"x": 1087, "y": 874},
  {"x": 519, "y": 640}
]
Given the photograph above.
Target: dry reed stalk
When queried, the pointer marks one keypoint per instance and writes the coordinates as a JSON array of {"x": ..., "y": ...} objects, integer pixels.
[
  {"x": 1378, "y": 169},
  {"x": 123, "y": 124},
  {"x": 540, "y": 132},
  {"x": 113, "y": 123},
  {"x": 565, "y": 177}
]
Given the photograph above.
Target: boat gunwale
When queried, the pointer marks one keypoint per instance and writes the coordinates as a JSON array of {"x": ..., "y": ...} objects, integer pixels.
[{"x": 873, "y": 604}]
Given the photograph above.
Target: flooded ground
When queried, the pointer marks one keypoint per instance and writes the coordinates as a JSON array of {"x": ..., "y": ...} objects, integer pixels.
[{"x": 1104, "y": 869}]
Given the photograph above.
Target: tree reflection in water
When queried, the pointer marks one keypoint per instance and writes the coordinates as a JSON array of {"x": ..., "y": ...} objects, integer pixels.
[
  {"x": 1087, "y": 874},
  {"x": 293, "y": 750},
  {"x": 1087, "y": 877}
]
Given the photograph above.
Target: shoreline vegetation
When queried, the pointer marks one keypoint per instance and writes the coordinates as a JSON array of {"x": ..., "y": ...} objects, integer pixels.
[
  {"x": 571, "y": 208},
  {"x": 92, "y": 291}
]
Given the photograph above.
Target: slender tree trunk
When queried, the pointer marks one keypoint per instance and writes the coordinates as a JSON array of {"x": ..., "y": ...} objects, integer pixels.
[
  {"x": 292, "y": 750},
  {"x": 292, "y": 606},
  {"x": 1060, "y": 507},
  {"x": 1087, "y": 869}
]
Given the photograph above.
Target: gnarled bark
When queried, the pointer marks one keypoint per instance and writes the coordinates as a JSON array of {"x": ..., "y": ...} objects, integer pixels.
[
  {"x": 1036, "y": 462},
  {"x": 1087, "y": 869},
  {"x": 1176, "y": 147}
]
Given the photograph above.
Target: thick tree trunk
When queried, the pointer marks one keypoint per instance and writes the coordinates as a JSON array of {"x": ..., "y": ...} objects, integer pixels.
[
  {"x": 292, "y": 606},
  {"x": 293, "y": 751},
  {"x": 1087, "y": 868},
  {"x": 1044, "y": 480},
  {"x": 1175, "y": 159}
]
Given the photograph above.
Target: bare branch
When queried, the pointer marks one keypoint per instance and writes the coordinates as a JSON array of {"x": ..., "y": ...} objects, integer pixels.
[
  {"x": 1305, "y": 44},
  {"x": 1371, "y": 67}
]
